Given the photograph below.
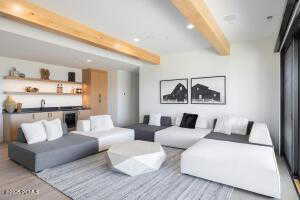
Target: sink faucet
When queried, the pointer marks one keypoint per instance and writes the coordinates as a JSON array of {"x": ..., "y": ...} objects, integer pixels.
[{"x": 43, "y": 103}]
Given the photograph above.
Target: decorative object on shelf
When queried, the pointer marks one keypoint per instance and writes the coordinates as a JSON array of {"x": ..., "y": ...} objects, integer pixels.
[
  {"x": 78, "y": 91},
  {"x": 19, "y": 107},
  {"x": 15, "y": 73},
  {"x": 59, "y": 89},
  {"x": 71, "y": 76},
  {"x": 208, "y": 90},
  {"x": 174, "y": 91},
  {"x": 10, "y": 105},
  {"x": 45, "y": 74},
  {"x": 21, "y": 75},
  {"x": 31, "y": 90}
]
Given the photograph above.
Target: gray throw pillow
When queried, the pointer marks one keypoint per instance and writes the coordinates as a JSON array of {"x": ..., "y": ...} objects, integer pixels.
[
  {"x": 21, "y": 137},
  {"x": 65, "y": 128},
  {"x": 166, "y": 121}
]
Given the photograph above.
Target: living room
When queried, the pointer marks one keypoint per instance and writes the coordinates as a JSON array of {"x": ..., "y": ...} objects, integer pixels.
[{"x": 194, "y": 99}]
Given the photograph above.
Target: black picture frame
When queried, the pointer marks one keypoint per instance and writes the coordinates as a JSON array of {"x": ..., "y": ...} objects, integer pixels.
[
  {"x": 181, "y": 98},
  {"x": 212, "y": 96}
]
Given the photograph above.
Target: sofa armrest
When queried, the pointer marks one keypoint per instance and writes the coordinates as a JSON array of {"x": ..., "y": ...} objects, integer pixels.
[
  {"x": 20, "y": 153},
  {"x": 260, "y": 134},
  {"x": 83, "y": 126}
]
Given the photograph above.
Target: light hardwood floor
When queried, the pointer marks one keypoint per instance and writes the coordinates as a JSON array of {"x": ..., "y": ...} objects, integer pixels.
[{"x": 13, "y": 176}]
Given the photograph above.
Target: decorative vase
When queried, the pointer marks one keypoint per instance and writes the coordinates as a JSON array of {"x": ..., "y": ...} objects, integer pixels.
[
  {"x": 45, "y": 74},
  {"x": 10, "y": 105}
]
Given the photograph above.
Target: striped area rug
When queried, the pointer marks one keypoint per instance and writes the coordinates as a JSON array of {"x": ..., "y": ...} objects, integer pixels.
[{"x": 91, "y": 179}]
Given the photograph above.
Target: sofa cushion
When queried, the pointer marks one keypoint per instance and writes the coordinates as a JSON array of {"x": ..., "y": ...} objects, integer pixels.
[
  {"x": 202, "y": 122},
  {"x": 53, "y": 129},
  {"x": 145, "y": 132},
  {"x": 178, "y": 119},
  {"x": 178, "y": 137},
  {"x": 226, "y": 162},
  {"x": 42, "y": 155},
  {"x": 155, "y": 119},
  {"x": 188, "y": 120},
  {"x": 249, "y": 126},
  {"x": 65, "y": 128},
  {"x": 34, "y": 132},
  {"x": 239, "y": 125},
  {"x": 110, "y": 137},
  {"x": 164, "y": 120},
  {"x": 101, "y": 123},
  {"x": 223, "y": 125},
  {"x": 146, "y": 119},
  {"x": 21, "y": 138},
  {"x": 83, "y": 125}
]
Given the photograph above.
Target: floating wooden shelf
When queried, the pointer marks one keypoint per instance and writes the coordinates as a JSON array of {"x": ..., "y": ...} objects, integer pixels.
[
  {"x": 40, "y": 93},
  {"x": 40, "y": 80}
]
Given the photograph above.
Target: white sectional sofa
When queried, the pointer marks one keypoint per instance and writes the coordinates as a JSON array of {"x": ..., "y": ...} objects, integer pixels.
[
  {"x": 250, "y": 166},
  {"x": 246, "y": 161},
  {"x": 106, "y": 138},
  {"x": 178, "y": 137}
]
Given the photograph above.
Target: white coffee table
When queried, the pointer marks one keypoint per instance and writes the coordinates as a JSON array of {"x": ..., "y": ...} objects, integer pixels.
[{"x": 136, "y": 157}]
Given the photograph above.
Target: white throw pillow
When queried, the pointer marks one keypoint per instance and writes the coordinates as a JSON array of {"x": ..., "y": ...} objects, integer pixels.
[
  {"x": 53, "y": 129},
  {"x": 155, "y": 119},
  {"x": 239, "y": 125},
  {"x": 84, "y": 125},
  {"x": 201, "y": 122},
  {"x": 223, "y": 125},
  {"x": 34, "y": 132},
  {"x": 178, "y": 119},
  {"x": 101, "y": 123}
]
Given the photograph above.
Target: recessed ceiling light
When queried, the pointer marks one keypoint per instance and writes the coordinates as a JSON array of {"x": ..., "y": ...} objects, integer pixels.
[
  {"x": 17, "y": 8},
  {"x": 190, "y": 26},
  {"x": 136, "y": 39},
  {"x": 88, "y": 60}
]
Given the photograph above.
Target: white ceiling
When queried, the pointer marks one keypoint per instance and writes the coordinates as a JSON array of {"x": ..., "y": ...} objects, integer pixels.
[
  {"x": 161, "y": 27},
  {"x": 16, "y": 46}
]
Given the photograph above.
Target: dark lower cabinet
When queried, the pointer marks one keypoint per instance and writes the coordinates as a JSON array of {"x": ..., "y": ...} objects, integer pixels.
[{"x": 290, "y": 106}]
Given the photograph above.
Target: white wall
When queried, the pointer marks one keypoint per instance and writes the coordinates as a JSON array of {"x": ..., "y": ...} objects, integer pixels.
[
  {"x": 253, "y": 82},
  {"x": 113, "y": 95},
  {"x": 127, "y": 99}
]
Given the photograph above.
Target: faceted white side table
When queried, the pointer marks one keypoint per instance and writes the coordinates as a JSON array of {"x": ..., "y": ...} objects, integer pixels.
[{"x": 136, "y": 157}]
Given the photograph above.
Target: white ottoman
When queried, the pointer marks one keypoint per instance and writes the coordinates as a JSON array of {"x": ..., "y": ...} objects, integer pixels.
[
  {"x": 136, "y": 157},
  {"x": 249, "y": 167}
]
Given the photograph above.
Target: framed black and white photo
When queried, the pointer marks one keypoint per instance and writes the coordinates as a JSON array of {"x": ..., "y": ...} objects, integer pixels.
[
  {"x": 174, "y": 91},
  {"x": 208, "y": 90}
]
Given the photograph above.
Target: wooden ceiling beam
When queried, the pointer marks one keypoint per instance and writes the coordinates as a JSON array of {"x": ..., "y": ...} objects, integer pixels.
[
  {"x": 197, "y": 13},
  {"x": 34, "y": 15}
]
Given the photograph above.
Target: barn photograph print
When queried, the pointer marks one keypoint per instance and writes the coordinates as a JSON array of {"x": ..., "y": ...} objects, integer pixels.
[
  {"x": 208, "y": 90},
  {"x": 174, "y": 91}
]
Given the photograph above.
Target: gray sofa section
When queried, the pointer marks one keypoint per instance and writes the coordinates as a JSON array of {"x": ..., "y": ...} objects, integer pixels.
[
  {"x": 39, "y": 156},
  {"x": 146, "y": 132}
]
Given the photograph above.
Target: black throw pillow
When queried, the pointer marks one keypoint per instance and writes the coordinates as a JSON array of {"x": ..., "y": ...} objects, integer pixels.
[
  {"x": 188, "y": 120},
  {"x": 146, "y": 119}
]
